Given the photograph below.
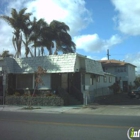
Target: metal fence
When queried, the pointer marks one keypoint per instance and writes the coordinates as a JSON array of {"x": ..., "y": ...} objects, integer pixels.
[{"x": 98, "y": 92}]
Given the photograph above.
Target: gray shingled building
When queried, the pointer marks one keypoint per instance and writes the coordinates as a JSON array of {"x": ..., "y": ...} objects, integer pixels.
[{"x": 72, "y": 72}]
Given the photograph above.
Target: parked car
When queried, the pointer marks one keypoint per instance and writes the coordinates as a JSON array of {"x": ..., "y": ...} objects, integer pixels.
[{"x": 134, "y": 93}]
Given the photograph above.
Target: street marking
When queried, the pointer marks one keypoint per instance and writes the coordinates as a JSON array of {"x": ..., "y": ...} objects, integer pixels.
[{"x": 70, "y": 124}]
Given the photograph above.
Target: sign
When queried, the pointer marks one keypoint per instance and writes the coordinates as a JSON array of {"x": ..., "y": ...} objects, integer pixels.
[{"x": 132, "y": 133}]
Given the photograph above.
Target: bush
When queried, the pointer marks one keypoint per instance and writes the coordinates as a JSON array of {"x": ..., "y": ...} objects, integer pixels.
[{"x": 40, "y": 101}]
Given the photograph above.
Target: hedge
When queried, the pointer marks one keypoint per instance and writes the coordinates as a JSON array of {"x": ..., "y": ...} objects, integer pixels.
[{"x": 39, "y": 101}]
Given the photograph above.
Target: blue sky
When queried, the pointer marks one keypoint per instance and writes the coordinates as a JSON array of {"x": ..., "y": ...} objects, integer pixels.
[{"x": 96, "y": 25}]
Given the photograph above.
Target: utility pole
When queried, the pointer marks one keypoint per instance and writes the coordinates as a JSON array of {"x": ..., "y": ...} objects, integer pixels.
[{"x": 108, "y": 54}]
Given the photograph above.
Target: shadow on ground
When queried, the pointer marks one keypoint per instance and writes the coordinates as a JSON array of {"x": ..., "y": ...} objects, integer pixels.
[{"x": 117, "y": 99}]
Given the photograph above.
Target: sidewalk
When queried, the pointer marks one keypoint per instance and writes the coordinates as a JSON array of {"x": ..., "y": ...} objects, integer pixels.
[
  {"x": 118, "y": 104},
  {"x": 125, "y": 110},
  {"x": 37, "y": 109}
]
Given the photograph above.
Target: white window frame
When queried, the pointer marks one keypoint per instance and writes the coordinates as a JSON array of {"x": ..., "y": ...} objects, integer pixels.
[
  {"x": 110, "y": 79},
  {"x": 105, "y": 79},
  {"x": 46, "y": 79}
]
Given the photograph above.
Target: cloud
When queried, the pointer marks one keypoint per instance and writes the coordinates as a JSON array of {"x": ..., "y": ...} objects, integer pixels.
[
  {"x": 135, "y": 60},
  {"x": 93, "y": 43},
  {"x": 128, "y": 16},
  {"x": 104, "y": 58},
  {"x": 72, "y": 12}
]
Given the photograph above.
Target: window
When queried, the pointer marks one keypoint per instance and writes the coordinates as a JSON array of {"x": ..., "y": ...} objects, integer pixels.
[
  {"x": 46, "y": 79},
  {"x": 110, "y": 79},
  {"x": 120, "y": 69},
  {"x": 105, "y": 79},
  {"x": 91, "y": 81},
  {"x": 24, "y": 81},
  {"x": 98, "y": 79}
]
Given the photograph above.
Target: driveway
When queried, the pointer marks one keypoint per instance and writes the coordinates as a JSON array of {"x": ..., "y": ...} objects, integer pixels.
[{"x": 116, "y": 99}]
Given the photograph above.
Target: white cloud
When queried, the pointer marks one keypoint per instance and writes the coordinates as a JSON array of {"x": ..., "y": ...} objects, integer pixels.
[
  {"x": 135, "y": 60},
  {"x": 72, "y": 12},
  {"x": 128, "y": 16},
  {"x": 104, "y": 58},
  {"x": 92, "y": 42}
]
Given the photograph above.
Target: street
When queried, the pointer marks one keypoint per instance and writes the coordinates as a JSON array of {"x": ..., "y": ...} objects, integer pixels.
[{"x": 40, "y": 126}]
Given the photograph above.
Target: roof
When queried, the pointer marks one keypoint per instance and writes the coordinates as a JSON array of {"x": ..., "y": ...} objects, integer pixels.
[
  {"x": 113, "y": 62},
  {"x": 93, "y": 66},
  {"x": 64, "y": 63},
  {"x": 52, "y": 63}
]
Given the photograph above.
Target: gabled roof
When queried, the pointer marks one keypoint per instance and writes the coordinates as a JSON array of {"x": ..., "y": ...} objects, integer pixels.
[
  {"x": 52, "y": 63},
  {"x": 113, "y": 62},
  {"x": 93, "y": 66},
  {"x": 64, "y": 63}
]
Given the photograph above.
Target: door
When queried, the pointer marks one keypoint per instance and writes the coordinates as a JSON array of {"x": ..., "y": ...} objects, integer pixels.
[
  {"x": 64, "y": 80},
  {"x": 125, "y": 86}
]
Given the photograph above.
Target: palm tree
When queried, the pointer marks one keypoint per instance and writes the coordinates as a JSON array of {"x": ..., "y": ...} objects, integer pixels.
[
  {"x": 66, "y": 43},
  {"x": 63, "y": 40},
  {"x": 38, "y": 28},
  {"x": 27, "y": 32},
  {"x": 17, "y": 22},
  {"x": 46, "y": 37}
]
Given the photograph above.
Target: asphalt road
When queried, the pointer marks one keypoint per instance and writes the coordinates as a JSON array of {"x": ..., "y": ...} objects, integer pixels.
[{"x": 40, "y": 126}]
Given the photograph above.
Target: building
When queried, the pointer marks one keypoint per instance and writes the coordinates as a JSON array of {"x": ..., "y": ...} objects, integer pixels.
[
  {"x": 125, "y": 72},
  {"x": 78, "y": 75}
]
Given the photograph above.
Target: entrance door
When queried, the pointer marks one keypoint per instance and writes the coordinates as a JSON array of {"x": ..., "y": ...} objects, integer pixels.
[
  {"x": 64, "y": 81},
  {"x": 125, "y": 86}
]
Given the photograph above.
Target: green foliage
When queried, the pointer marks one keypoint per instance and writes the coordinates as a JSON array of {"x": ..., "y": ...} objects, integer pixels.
[
  {"x": 16, "y": 94},
  {"x": 115, "y": 87},
  {"x": 137, "y": 81},
  {"x": 37, "y": 101},
  {"x": 38, "y": 33}
]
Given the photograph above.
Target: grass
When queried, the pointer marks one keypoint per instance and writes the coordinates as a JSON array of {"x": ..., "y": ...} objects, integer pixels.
[{"x": 31, "y": 108}]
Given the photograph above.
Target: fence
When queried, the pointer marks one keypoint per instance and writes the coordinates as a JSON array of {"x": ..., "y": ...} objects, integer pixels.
[
  {"x": 98, "y": 92},
  {"x": 1, "y": 100}
]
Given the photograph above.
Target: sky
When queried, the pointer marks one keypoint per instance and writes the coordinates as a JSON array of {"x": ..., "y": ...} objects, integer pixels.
[{"x": 95, "y": 25}]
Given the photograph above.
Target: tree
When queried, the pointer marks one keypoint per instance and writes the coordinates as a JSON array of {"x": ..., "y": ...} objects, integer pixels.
[
  {"x": 17, "y": 22},
  {"x": 38, "y": 30},
  {"x": 6, "y": 54},
  {"x": 137, "y": 81},
  {"x": 27, "y": 32},
  {"x": 38, "y": 80},
  {"x": 67, "y": 45},
  {"x": 63, "y": 40},
  {"x": 39, "y": 33},
  {"x": 46, "y": 39}
]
